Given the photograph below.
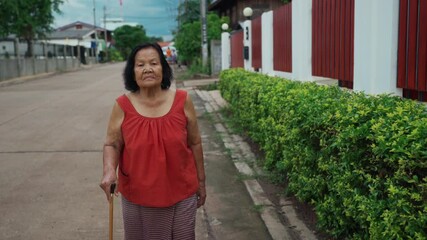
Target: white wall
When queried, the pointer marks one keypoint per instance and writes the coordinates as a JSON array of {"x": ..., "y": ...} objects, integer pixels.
[
  {"x": 301, "y": 40},
  {"x": 375, "y": 46},
  {"x": 267, "y": 43}
]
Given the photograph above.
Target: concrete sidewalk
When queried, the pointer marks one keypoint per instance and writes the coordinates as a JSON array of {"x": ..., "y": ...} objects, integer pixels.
[{"x": 237, "y": 206}]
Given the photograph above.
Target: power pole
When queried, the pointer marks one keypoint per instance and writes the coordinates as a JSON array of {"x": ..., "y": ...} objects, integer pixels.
[
  {"x": 204, "y": 33},
  {"x": 105, "y": 33},
  {"x": 179, "y": 13},
  {"x": 96, "y": 35}
]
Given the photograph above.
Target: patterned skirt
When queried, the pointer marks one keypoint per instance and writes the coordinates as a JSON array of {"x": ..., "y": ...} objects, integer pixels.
[{"x": 177, "y": 222}]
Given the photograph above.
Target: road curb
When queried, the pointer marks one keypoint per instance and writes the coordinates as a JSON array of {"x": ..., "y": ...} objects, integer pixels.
[
  {"x": 19, "y": 80},
  {"x": 244, "y": 161}
]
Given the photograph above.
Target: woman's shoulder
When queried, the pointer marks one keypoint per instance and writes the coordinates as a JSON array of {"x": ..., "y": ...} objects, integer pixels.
[
  {"x": 182, "y": 92},
  {"x": 121, "y": 98},
  {"x": 182, "y": 95},
  {"x": 124, "y": 101}
]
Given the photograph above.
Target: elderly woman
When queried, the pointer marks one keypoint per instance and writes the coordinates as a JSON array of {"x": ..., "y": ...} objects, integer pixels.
[{"x": 153, "y": 142}]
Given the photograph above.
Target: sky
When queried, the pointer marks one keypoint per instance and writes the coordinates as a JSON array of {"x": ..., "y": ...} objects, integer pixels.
[{"x": 157, "y": 16}]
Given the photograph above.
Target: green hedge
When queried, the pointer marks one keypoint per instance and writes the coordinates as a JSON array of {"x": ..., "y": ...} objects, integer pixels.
[{"x": 360, "y": 160}]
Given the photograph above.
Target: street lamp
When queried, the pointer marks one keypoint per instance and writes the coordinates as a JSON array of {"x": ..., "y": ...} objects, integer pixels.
[
  {"x": 247, "y": 12},
  {"x": 224, "y": 26}
]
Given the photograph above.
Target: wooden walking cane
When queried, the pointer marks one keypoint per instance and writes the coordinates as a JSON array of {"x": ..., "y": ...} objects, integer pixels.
[{"x": 112, "y": 188}]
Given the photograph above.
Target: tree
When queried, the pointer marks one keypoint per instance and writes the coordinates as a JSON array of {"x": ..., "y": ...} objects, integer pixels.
[
  {"x": 28, "y": 19},
  {"x": 155, "y": 39},
  {"x": 188, "y": 36},
  {"x": 214, "y": 26},
  {"x": 187, "y": 41},
  {"x": 189, "y": 11},
  {"x": 127, "y": 37}
]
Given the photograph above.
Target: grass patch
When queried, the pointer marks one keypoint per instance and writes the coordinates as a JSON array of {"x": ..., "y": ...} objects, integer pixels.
[
  {"x": 182, "y": 76},
  {"x": 209, "y": 87},
  {"x": 243, "y": 177},
  {"x": 231, "y": 122},
  {"x": 258, "y": 207},
  {"x": 208, "y": 116}
]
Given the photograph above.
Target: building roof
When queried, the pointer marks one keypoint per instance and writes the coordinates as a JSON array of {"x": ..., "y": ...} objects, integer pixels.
[
  {"x": 73, "y": 25},
  {"x": 71, "y": 34},
  {"x": 9, "y": 37},
  {"x": 111, "y": 26},
  {"x": 112, "y": 23},
  {"x": 215, "y": 4}
]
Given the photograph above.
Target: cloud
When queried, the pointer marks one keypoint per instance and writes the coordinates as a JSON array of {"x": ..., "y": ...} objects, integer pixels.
[
  {"x": 75, "y": 4},
  {"x": 157, "y": 16}
]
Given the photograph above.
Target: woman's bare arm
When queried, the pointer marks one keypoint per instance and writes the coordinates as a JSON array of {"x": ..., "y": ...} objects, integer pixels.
[
  {"x": 195, "y": 143},
  {"x": 112, "y": 149}
]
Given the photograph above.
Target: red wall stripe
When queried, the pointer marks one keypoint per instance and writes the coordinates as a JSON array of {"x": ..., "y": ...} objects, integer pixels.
[
  {"x": 336, "y": 44},
  {"x": 282, "y": 38},
  {"x": 412, "y": 44},
  {"x": 333, "y": 39},
  {"x": 323, "y": 38},
  {"x": 351, "y": 65},
  {"x": 342, "y": 37},
  {"x": 422, "y": 47},
  {"x": 412, "y": 49},
  {"x": 347, "y": 41},
  {"x": 401, "y": 52},
  {"x": 237, "y": 50},
  {"x": 256, "y": 43},
  {"x": 329, "y": 33}
]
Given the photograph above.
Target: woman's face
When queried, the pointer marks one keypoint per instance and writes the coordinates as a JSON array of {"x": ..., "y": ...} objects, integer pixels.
[{"x": 148, "y": 68}]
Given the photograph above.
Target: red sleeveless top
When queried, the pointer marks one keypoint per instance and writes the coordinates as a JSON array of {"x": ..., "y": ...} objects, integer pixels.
[{"x": 157, "y": 167}]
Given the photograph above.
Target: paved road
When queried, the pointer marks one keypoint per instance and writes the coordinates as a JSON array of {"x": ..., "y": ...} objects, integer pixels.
[{"x": 51, "y": 134}]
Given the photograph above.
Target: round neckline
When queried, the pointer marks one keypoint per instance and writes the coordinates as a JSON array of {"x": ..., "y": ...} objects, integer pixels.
[{"x": 143, "y": 116}]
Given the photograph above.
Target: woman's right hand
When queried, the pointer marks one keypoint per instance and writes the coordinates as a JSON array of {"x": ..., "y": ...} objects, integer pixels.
[{"x": 107, "y": 180}]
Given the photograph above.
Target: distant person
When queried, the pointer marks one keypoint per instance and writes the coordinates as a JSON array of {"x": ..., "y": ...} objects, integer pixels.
[
  {"x": 154, "y": 146},
  {"x": 168, "y": 54},
  {"x": 174, "y": 57}
]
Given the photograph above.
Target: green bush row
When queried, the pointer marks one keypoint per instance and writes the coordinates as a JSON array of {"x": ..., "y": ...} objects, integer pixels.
[{"x": 360, "y": 160}]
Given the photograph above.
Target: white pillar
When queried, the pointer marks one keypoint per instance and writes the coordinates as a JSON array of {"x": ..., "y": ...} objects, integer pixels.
[
  {"x": 375, "y": 46},
  {"x": 247, "y": 42},
  {"x": 225, "y": 50},
  {"x": 301, "y": 40},
  {"x": 267, "y": 43}
]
